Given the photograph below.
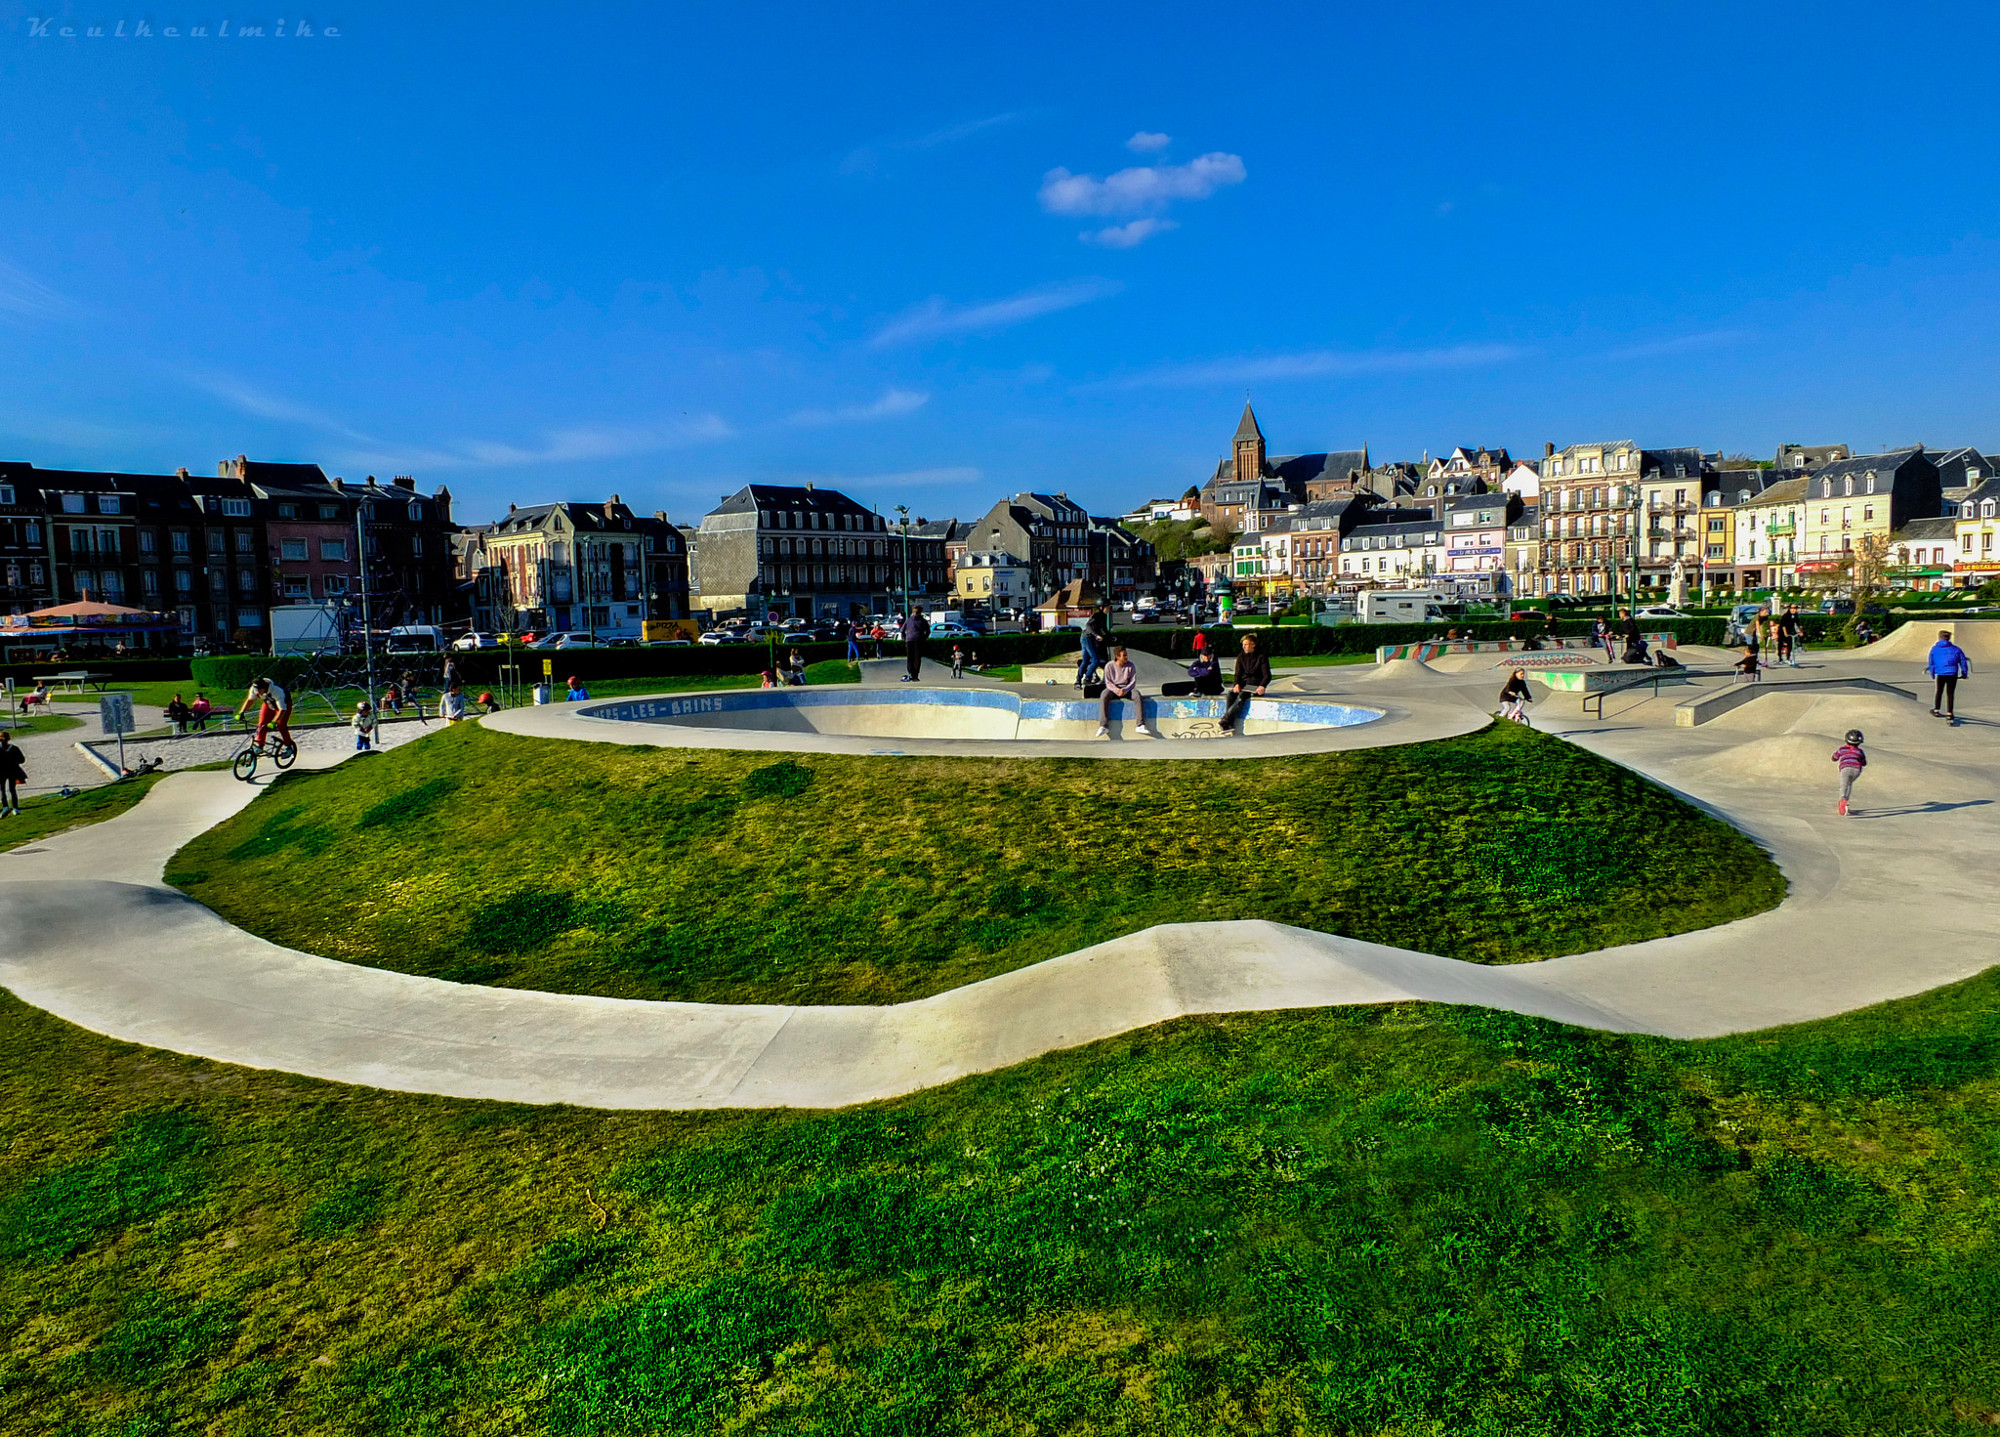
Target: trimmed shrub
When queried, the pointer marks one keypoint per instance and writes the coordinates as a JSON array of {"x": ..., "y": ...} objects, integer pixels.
[{"x": 123, "y": 671}]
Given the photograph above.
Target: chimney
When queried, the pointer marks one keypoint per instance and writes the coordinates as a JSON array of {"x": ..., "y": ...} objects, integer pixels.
[
  {"x": 809, "y": 485},
  {"x": 182, "y": 473},
  {"x": 404, "y": 481},
  {"x": 1548, "y": 450},
  {"x": 222, "y": 468},
  {"x": 661, "y": 515}
]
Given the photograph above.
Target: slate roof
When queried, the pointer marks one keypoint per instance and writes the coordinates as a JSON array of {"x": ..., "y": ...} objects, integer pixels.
[
  {"x": 1890, "y": 463},
  {"x": 753, "y": 497},
  {"x": 1929, "y": 529},
  {"x": 1246, "y": 428}
]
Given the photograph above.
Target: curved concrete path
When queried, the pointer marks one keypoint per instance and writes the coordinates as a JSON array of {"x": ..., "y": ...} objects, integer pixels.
[{"x": 1882, "y": 905}]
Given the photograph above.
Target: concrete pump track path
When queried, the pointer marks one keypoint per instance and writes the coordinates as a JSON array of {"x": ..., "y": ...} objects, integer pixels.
[{"x": 1887, "y": 903}]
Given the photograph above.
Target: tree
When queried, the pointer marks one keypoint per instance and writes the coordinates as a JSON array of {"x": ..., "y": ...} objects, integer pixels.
[{"x": 1867, "y": 566}]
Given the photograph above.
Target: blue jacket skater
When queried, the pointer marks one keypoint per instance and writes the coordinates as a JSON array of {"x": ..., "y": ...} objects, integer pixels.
[{"x": 1947, "y": 661}]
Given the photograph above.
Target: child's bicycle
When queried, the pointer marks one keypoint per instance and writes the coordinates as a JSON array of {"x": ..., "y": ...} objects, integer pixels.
[{"x": 274, "y": 747}]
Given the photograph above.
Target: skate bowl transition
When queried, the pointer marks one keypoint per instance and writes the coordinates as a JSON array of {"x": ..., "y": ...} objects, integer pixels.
[{"x": 985, "y": 714}]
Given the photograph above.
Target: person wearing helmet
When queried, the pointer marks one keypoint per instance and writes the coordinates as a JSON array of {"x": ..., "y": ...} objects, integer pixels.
[
  {"x": 1850, "y": 760},
  {"x": 577, "y": 692},
  {"x": 274, "y": 708}
]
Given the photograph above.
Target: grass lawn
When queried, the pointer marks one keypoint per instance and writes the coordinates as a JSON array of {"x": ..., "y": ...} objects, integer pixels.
[
  {"x": 1314, "y": 661},
  {"x": 41, "y": 723},
  {"x": 49, "y": 814},
  {"x": 1406, "y": 1219},
  {"x": 718, "y": 875}
]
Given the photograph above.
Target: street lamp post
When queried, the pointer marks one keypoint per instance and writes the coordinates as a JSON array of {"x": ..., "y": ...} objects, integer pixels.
[{"x": 903, "y": 518}]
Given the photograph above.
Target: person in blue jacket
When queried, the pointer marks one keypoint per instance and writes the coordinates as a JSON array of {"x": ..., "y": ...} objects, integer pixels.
[{"x": 1947, "y": 664}]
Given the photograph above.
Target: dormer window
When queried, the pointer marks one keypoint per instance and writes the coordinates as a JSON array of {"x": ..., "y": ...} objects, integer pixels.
[
  {"x": 1826, "y": 488},
  {"x": 416, "y": 513},
  {"x": 1871, "y": 483}
]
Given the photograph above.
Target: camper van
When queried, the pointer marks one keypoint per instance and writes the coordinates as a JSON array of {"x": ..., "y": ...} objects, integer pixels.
[{"x": 1400, "y": 606}]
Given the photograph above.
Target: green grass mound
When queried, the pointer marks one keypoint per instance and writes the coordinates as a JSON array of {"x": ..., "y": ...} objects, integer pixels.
[
  {"x": 1408, "y": 1219},
  {"x": 48, "y": 814},
  {"x": 722, "y": 876}
]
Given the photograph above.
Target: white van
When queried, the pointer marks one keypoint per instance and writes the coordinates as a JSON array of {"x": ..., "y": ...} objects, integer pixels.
[
  {"x": 1399, "y": 606},
  {"x": 416, "y": 639}
]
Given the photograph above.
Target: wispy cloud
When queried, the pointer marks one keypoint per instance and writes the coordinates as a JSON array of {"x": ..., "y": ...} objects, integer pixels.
[
  {"x": 893, "y": 402},
  {"x": 253, "y": 401},
  {"x": 1708, "y": 339},
  {"x": 905, "y": 479},
  {"x": 1128, "y": 235},
  {"x": 25, "y": 297},
  {"x": 565, "y": 444},
  {"x": 866, "y": 159},
  {"x": 1142, "y": 189},
  {"x": 937, "y": 319},
  {"x": 1148, "y": 142},
  {"x": 555, "y": 446},
  {"x": 1309, "y": 364}
]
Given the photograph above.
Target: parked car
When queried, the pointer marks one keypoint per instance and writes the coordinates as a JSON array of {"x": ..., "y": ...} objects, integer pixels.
[
  {"x": 671, "y": 643},
  {"x": 566, "y": 641},
  {"x": 1659, "y": 611},
  {"x": 621, "y": 643},
  {"x": 723, "y": 636},
  {"x": 1836, "y": 606},
  {"x": 476, "y": 640},
  {"x": 952, "y": 629}
]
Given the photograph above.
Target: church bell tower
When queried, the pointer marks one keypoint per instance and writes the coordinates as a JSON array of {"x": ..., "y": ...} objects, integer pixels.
[{"x": 1249, "y": 448}]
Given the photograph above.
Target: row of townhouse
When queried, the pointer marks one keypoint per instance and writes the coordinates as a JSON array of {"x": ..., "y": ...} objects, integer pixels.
[{"x": 217, "y": 555}]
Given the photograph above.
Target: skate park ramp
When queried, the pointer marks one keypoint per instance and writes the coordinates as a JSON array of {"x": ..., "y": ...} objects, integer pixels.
[
  {"x": 1899, "y": 723},
  {"x": 1805, "y": 760},
  {"x": 1980, "y": 638},
  {"x": 1401, "y": 671}
]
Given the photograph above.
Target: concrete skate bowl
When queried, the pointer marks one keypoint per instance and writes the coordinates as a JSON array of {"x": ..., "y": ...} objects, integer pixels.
[{"x": 979, "y": 714}]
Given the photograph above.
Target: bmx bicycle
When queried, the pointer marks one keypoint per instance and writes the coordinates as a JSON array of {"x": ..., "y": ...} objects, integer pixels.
[{"x": 274, "y": 747}]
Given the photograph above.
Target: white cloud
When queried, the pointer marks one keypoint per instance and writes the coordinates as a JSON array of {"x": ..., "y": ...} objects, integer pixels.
[
  {"x": 26, "y": 297},
  {"x": 1708, "y": 339},
  {"x": 1128, "y": 235},
  {"x": 935, "y": 319},
  {"x": 253, "y": 401},
  {"x": 570, "y": 443},
  {"x": 908, "y": 478},
  {"x": 555, "y": 446},
  {"x": 1311, "y": 363},
  {"x": 1140, "y": 189},
  {"x": 1148, "y": 142},
  {"x": 867, "y": 158},
  {"x": 893, "y": 402}
]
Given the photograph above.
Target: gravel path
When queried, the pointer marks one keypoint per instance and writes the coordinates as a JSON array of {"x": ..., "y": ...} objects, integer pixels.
[{"x": 193, "y": 750}]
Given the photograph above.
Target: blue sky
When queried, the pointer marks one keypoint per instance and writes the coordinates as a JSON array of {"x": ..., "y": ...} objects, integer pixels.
[{"x": 938, "y": 253}]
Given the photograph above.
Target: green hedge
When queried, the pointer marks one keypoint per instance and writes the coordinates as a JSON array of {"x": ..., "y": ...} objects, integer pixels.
[{"x": 124, "y": 671}]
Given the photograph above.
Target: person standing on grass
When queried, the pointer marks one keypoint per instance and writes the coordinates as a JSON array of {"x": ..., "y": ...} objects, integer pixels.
[
  {"x": 916, "y": 628},
  {"x": 1121, "y": 681},
  {"x": 1947, "y": 664},
  {"x": 364, "y": 726},
  {"x": 1850, "y": 760},
  {"x": 13, "y": 773},
  {"x": 1253, "y": 676},
  {"x": 451, "y": 707},
  {"x": 1514, "y": 697}
]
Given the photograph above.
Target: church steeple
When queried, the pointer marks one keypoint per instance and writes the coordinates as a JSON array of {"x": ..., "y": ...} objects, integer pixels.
[{"x": 1249, "y": 448}]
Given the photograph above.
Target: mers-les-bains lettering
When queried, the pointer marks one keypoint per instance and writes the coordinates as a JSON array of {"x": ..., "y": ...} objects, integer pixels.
[{"x": 47, "y": 28}]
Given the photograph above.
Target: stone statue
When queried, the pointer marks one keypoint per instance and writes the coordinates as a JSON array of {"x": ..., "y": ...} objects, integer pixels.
[{"x": 1677, "y": 594}]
